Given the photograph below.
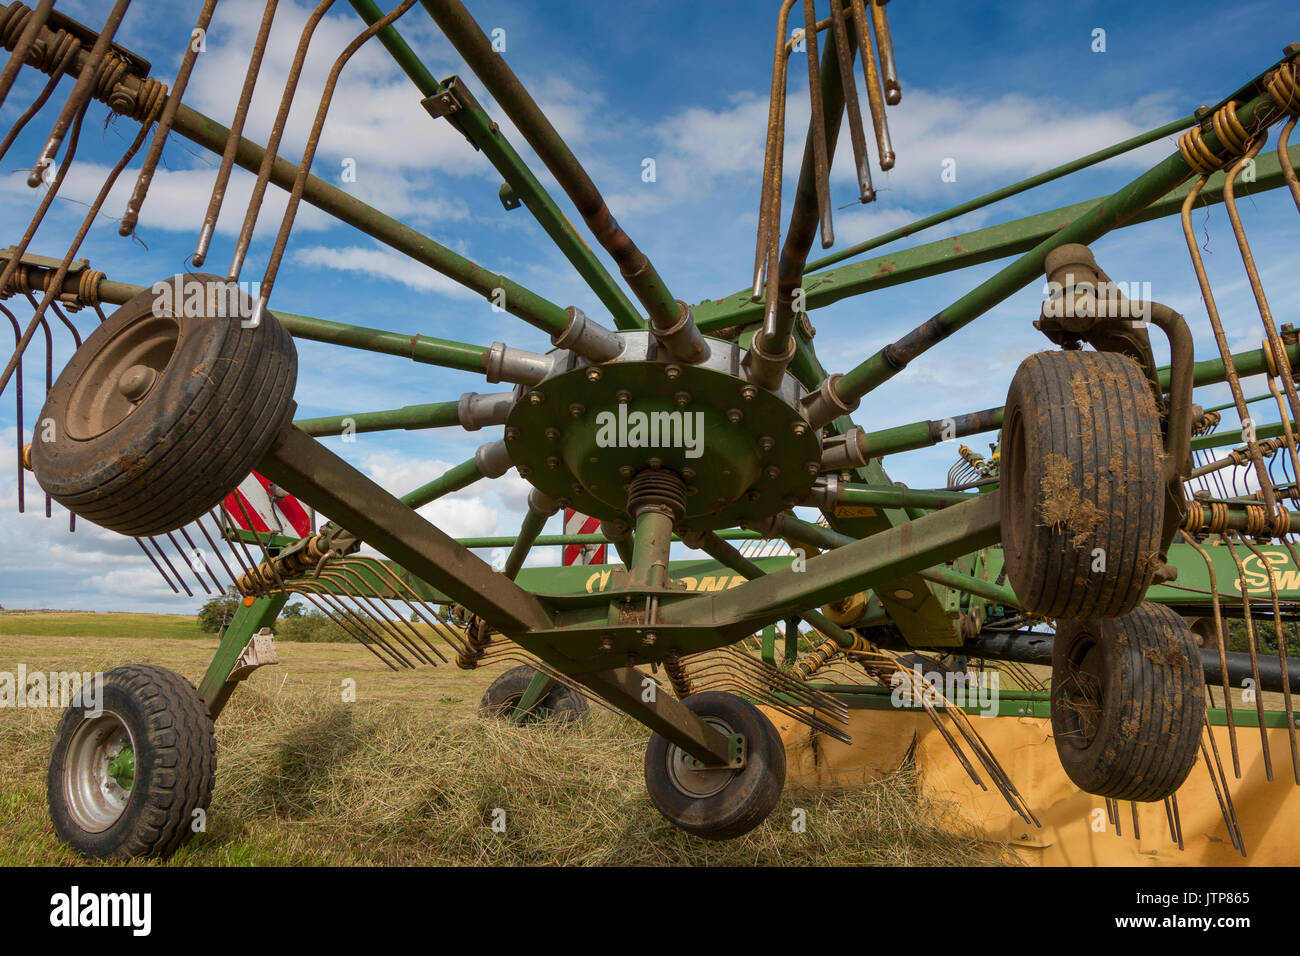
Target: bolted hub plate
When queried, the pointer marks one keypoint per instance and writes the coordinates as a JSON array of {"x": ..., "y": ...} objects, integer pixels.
[{"x": 582, "y": 433}]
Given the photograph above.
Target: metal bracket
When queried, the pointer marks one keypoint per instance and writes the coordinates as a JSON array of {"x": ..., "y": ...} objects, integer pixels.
[
  {"x": 736, "y": 755},
  {"x": 258, "y": 652}
]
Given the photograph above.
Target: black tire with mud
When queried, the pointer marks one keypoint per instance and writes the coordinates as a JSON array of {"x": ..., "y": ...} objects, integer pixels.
[
  {"x": 1081, "y": 484},
  {"x": 743, "y": 798},
  {"x": 219, "y": 395},
  {"x": 560, "y": 703},
  {"x": 175, "y": 752},
  {"x": 1128, "y": 703}
]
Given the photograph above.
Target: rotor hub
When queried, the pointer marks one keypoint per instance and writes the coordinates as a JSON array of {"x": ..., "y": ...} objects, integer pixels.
[{"x": 585, "y": 430}]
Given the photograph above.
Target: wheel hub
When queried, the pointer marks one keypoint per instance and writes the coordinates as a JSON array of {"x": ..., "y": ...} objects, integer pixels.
[{"x": 99, "y": 772}]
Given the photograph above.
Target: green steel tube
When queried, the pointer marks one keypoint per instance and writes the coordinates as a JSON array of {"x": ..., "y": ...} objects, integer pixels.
[
  {"x": 1249, "y": 401},
  {"x": 478, "y": 127},
  {"x": 515, "y": 299},
  {"x": 453, "y": 479},
  {"x": 967, "y": 249},
  {"x": 418, "y": 348},
  {"x": 1119, "y": 207},
  {"x": 971, "y": 585},
  {"x": 892, "y": 496},
  {"x": 889, "y": 441},
  {"x": 469, "y": 40},
  {"x": 1005, "y": 192},
  {"x": 713, "y": 545},
  {"x": 435, "y": 415},
  {"x": 1222, "y": 439},
  {"x": 534, "y": 522}
]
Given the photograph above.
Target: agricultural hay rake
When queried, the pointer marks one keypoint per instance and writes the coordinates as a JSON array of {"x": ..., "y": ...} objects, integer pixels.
[{"x": 1106, "y": 534}]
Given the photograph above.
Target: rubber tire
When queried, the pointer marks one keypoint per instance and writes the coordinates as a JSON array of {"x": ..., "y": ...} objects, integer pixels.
[
  {"x": 750, "y": 796},
  {"x": 1090, "y": 415},
  {"x": 1151, "y": 682},
  {"x": 175, "y": 765},
  {"x": 191, "y": 439},
  {"x": 560, "y": 703}
]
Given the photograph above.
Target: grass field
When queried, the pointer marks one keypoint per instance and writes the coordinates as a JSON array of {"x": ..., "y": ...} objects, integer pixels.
[
  {"x": 93, "y": 624},
  {"x": 408, "y": 774}
]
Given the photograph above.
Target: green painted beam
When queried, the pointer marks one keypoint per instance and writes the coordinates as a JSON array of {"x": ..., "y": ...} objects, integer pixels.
[
  {"x": 969, "y": 249},
  {"x": 485, "y": 135},
  {"x": 1005, "y": 192},
  {"x": 434, "y": 415},
  {"x": 514, "y": 298}
]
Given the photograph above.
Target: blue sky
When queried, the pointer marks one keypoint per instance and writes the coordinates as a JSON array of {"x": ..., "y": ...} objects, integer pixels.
[{"x": 1004, "y": 89}]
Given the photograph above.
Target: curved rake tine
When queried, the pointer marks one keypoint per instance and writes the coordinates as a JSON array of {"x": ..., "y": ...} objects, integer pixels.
[
  {"x": 353, "y": 578},
  {"x": 317, "y": 600},
  {"x": 1280, "y": 637},
  {"x": 80, "y": 96},
  {"x": 40, "y": 101},
  {"x": 347, "y": 585},
  {"x": 404, "y": 593},
  {"x": 232, "y": 140},
  {"x": 821, "y": 178},
  {"x": 150, "y": 165},
  {"x": 1229, "y": 368},
  {"x": 1223, "y": 651},
  {"x": 273, "y": 142},
  {"x": 31, "y": 29},
  {"x": 1254, "y": 657},
  {"x": 309, "y": 153},
  {"x": 157, "y": 566},
  {"x": 55, "y": 283},
  {"x": 18, "y": 420},
  {"x": 1275, "y": 343}
]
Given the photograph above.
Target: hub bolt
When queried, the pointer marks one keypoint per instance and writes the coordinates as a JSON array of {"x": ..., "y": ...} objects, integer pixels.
[
  {"x": 552, "y": 434},
  {"x": 512, "y": 433},
  {"x": 623, "y": 396},
  {"x": 593, "y": 374},
  {"x": 812, "y": 467},
  {"x": 553, "y": 462},
  {"x": 649, "y": 638},
  {"x": 576, "y": 410},
  {"x": 734, "y": 416},
  {"x": 625, "y": 471},
  {"x": 672, "y": 371},
  {"x": 773, "y": 472},
  {"x": 536, "y": 398},
  {"x": 682, "y": 399},
  {"x": 767, "y": 443},
  {"x": 749, "y": 392},
  {"x": 799, "y": 428}
]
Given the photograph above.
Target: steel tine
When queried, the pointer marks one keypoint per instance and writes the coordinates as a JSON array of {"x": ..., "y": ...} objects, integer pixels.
[
  {"x": 197, "y": 555},
  {"x": 171, "y": 567},
  {"x": 56, "y": 281},
  {"x": 852, "y": 106},
  {"x": 181, "y": 551},
  {"x": 273, "y": 142},
  {"x": 870, "y": 73},
  {"x": 893, "y": 92},
  {"x": 318, "y": 602},
  {"x": 157, "y": 566},
  {"x": 18, "y": 402},
  {"x": 1254, "y": 657},
  {"x": 236, "y": 130},
  {"x": 234, "y": 579},
  {"x": 1216, "y": 325},
  {"x": 80, "y": 96},
  {"x": 309, "y": 152},
  {"x": 775, "y": 142},
  {"x": 1178, "y": 820},
  {"x": 31, "y": 30},
  {"x": 821, "y": 162},
  {"x": 42, "y": 98},
  {"x": 165, "y": 120}
]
